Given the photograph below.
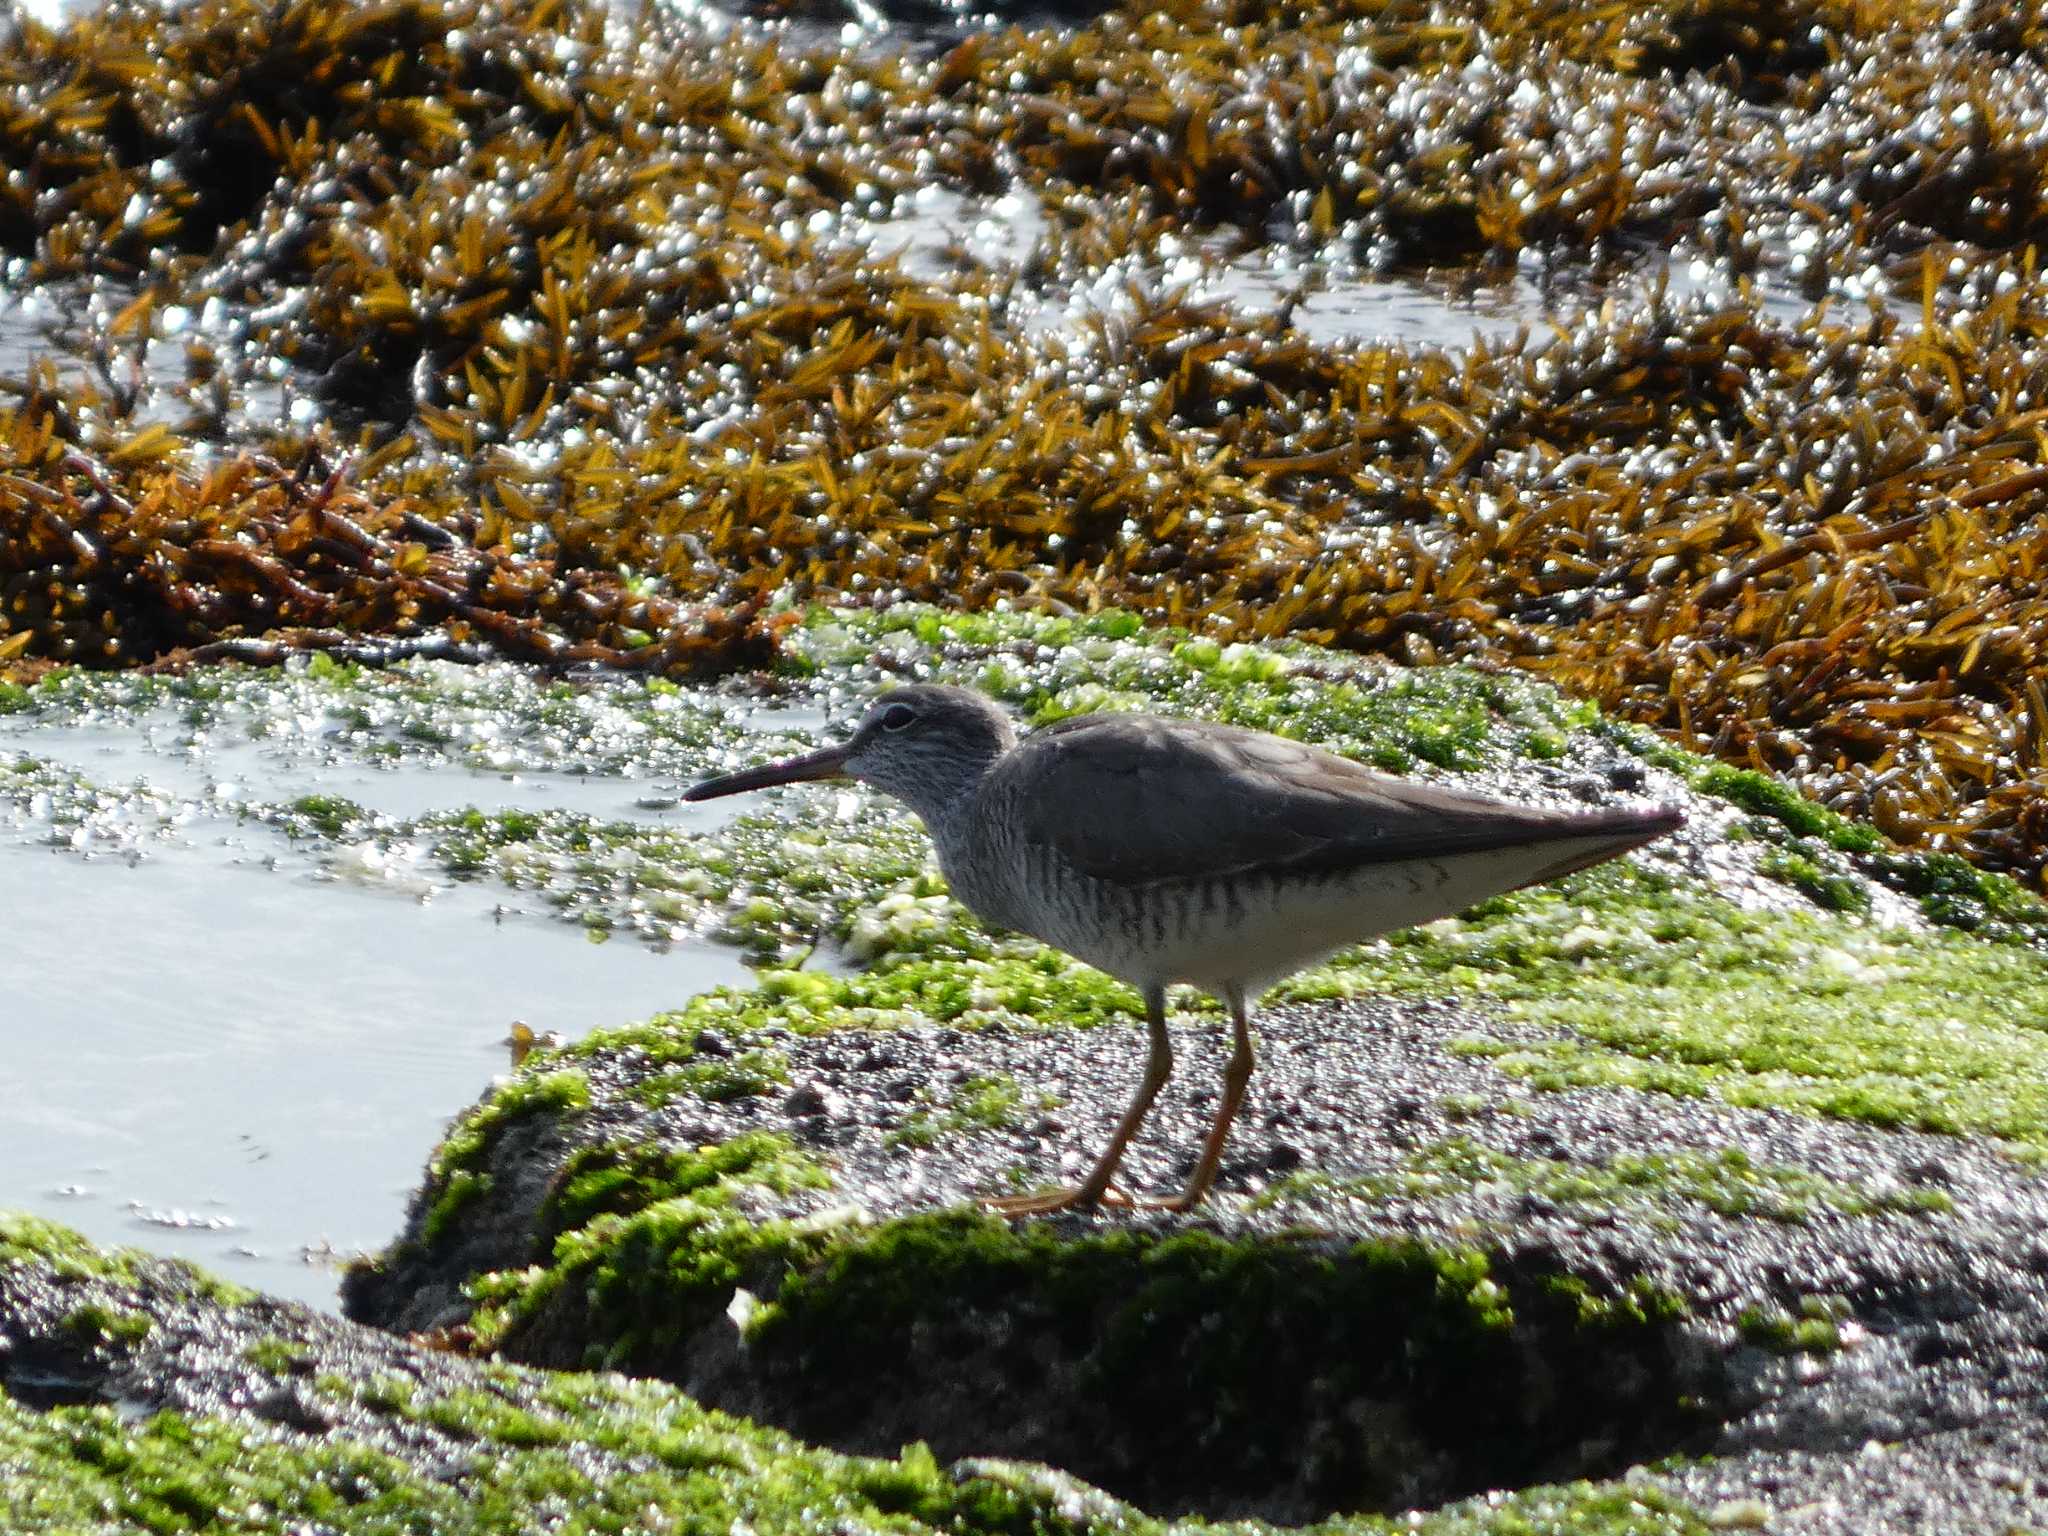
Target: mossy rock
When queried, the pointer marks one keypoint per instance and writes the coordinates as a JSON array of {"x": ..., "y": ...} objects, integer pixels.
[
  {"x": 1651, "y": 1120},
  {"x": 1445, "y": 1285},
  {"x": 206, "y": 1408},
  {"x": 1286, "y": 1376}
]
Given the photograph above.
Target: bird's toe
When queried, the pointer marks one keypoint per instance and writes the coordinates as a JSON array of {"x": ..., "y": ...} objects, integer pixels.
[{"x": 1039, "y": 1204}]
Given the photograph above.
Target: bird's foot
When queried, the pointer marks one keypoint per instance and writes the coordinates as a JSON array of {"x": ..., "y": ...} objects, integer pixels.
[
  {"x": 1164, "y": 1203},
  {"x": 1046, "y": 1201}
]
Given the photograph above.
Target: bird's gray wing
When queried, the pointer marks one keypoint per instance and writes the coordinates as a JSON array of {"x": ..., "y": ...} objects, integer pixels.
[{"x": 1135, "y": 799}]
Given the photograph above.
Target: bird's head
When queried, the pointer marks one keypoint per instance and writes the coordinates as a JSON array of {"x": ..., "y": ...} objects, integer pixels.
[{"x": 924, "y": 744}]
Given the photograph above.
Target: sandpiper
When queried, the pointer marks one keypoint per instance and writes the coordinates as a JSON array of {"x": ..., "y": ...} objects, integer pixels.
[{"x": 1164, "y": 850}]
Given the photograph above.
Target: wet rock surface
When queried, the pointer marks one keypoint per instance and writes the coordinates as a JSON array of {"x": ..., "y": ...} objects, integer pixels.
[{"x": 1827, "y": 1313}]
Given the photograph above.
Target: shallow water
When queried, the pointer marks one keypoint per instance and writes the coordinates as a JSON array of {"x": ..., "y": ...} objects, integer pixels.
[
  {"x": 1328, "y": 298},
  {"x": 225, "y": 1044},
  {"x": 158, "y": 748}
]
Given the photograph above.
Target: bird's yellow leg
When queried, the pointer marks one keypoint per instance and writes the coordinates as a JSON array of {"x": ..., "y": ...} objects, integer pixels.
[
  {"x": 1236, "y": 1074},
  {"x": 1094, "y": 1190}
]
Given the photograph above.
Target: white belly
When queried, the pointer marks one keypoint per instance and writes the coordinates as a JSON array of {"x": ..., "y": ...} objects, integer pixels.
[{"x": 1253, "y": 933}]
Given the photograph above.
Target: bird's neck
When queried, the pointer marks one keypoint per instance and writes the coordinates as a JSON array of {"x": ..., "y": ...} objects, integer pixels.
[
  {"x": 942, "y": 785},
  {"x": 945, "y": 802}
]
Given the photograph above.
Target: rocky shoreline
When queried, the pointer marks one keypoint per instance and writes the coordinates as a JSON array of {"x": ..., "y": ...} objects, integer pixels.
[{"x": 1702, "y": 1192}]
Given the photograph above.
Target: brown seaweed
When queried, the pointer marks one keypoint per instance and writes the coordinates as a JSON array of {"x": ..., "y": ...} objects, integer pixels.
[{"x": 586, "y": 306}]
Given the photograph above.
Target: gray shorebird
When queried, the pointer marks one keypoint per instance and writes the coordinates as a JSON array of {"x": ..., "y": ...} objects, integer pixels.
[{"x": 1167, "y": 851}]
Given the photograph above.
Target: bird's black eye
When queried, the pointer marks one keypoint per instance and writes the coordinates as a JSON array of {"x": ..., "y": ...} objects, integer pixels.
[{"x": 897, "y": 716}]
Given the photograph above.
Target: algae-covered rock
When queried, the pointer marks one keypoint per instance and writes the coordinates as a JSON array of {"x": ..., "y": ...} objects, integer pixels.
[
  {"x": 1460, "y": 1285},
  {"x": 135, "y": 1394},
  {"x": 1710, "y": 1176},
  {"x": 1730, "y": 1149}
]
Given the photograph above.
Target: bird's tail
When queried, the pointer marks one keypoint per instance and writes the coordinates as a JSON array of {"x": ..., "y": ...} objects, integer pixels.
[{"x": 1596, "y": 836}]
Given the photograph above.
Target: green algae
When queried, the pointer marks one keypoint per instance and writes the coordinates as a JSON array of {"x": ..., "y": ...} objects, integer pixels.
[
  {"x": 96, "y": 1323},
  {"x": 1727, "y": 1182},
  {"x": 656, "y": 1243},
  {"x": 648, "y": 1247},
  {"x": 470, "y": 838},
  {"x": 457, "y": 1162},
  {"x": 505, "y": 1448},
  {"x": 556, "y": 1088},
  {"x": 578, "y": 1455},
  {"x": 1815, "y": 1330},
  {"x": 1640, "y": 1303},
  {"x": 980, "y": 1103},
  {"x": 329, "y": 816},
  {"x": 660, "y": 1463},
  {"x": 650, "y": 1251},
  {"x": 277, "y": 1356},
  {"x": 1834, "y": 889},
  {"x": 1639, "y": 981},
  {"x": 609, "y": 1180},
  {"x": 1017, "y": 980},
  {"x": 1957, "y": 894},
  {"x": 1764, "y": 796},
  {"x": 1394, "y": 1317},
  {"x": 875, "y": 1282},
  {"x": 30, "y": 1242},
  {"x": 769, "y": 888},
  {"x": 719, "y": 1079}
]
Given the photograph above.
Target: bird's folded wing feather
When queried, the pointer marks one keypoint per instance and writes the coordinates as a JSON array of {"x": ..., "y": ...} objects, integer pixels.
[{"x": 1135, "y": 799}]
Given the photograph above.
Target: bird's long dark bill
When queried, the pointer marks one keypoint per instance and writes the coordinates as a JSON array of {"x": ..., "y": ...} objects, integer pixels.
[{"x": 828, "y": 764}]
